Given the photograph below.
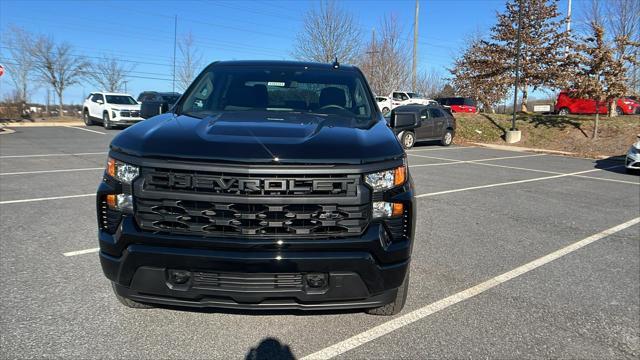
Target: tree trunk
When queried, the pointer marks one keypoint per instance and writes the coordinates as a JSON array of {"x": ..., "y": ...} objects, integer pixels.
[
  {"x": 595, "y": 127},
  {"x": 61, "y": 103},
  {"x": 612, "y": 108},
  {"x": 525, "y": 97}
]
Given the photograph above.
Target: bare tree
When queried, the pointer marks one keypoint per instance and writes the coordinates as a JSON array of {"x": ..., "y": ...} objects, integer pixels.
[
  {"x": 191, "y": 61},
  {"x": 386, "y": 64},
  {"x": 56, "y": 65},
  {"x": 109, "y": 74},
  {"x": 22, "y": 66},
  {"x": 430, "y": 83},
  {"x": 329, "y": 32}
]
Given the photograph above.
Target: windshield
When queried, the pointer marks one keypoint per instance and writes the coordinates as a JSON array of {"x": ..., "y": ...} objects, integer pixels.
[
  {"x": 415, "y": 95},
  {"x": 336, "y": 93},
  {"x": 120, "y": 100},
  {"x": 458, "y": 101}
]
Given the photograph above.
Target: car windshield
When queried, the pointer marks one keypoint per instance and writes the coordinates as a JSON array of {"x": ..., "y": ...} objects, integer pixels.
[
  {"x": 459, "y": 101},
  {"x": 415, "y": 95},
  {"x": 120, "y": 100},
  {"x": 294, "y": 89}
]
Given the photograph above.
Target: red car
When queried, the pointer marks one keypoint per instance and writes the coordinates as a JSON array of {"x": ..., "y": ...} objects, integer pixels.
[
  {"x": 459, "y": 104},
  {"x": 568, "y": 104}
]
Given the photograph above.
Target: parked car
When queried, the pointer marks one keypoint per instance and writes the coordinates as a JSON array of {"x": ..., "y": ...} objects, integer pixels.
[
  {"x": 459, "y": 104},
  {"x": 414, "y": 123},
  {"x": 110, "y": 109},
  {"x": 567, "y": 103},
  {"x": 399, "y": 98},
  {"x": 384, "y": 104},
  {"x": 153, "y": 103},
  {"x": 632, "y": 162}
]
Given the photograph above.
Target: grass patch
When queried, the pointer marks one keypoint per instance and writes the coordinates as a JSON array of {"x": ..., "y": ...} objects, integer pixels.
[{"x": 565, "y": 133}]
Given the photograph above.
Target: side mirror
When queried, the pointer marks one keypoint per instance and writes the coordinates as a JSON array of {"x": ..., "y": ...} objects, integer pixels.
[
  {"x": 392, "y": 120},
  {"x": 100, "y": 102}
]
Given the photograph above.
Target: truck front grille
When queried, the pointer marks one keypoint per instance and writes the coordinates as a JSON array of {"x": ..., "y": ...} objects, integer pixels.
[
  {"x": 248, "y": 220},
  {"x": 247, "y": 282}
]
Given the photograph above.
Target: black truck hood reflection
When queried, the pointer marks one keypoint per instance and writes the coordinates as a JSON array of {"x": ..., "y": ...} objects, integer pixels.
[{"x": 259, "y": 137}]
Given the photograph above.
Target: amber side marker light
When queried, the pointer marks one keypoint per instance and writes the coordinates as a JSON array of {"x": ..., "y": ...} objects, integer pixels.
[
  {"x": 111, "y": 168},
  {"x": 111, "y": 201},
  {"x": 399, "y": 176},
  {"x": 398, "y": 209}
]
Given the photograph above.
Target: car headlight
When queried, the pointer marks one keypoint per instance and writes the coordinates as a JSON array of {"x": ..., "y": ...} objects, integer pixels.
[
  {"x": 387, "y": 179},
  {"x": 634, "y": 151},
  {"x": 383, "y": 209},
  {"x": 121, "y": 171}
]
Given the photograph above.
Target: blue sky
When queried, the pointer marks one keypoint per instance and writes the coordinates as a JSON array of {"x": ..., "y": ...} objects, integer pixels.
[{"x": 141, "y": 32}]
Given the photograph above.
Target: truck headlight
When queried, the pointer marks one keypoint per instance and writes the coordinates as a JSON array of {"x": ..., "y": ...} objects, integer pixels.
[
  {"x": 387, "y": 179},
  {"x": 120, "y": 202},
  {"x": 121, "y": 171}
]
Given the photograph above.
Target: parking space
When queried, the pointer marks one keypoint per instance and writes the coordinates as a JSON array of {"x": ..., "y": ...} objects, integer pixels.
[{"x": 482, "y": 213}]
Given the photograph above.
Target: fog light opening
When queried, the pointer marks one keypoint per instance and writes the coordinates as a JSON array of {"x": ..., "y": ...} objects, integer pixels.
[
  {"x": 316, "y": 281},
  {"x": 179, "y": 277}
]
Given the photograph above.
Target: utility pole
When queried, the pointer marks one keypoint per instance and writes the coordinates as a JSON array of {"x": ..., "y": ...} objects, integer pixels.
[
  {"x": 125, "y": 86},
  {"x": 372, "y": 52},
  {"x": 515, "y": 87},
  {"x": 566, "y": 48},
  {"x": 175, "y": 43},
  {"x": 415, "y": 48},
  {"x": 46, "y": 109}
]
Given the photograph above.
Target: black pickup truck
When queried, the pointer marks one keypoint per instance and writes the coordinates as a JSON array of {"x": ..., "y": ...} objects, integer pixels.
[{"x": 270, "y": 185}]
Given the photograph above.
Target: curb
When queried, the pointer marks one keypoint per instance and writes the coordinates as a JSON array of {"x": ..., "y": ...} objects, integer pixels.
[
  {"x": 536, "y": 150},
  {"x": 44, "y": 123}
]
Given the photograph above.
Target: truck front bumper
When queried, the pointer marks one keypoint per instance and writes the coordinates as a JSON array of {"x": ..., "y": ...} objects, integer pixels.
[{"x": 304, "y": 274}]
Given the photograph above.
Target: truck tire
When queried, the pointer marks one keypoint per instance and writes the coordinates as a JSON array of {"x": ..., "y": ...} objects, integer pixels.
[
  {"x": 87, "y": 118},
  {"x": 385, "y": 110},
  {"x": 564, "y": 111},
  {"x": 397, "y": 304},
  {"x": 619, "y": 111},
  {"x": 408, "y": 139},
  {"x": 105, "y": 121},
  {"x": 447, "y": 138},
  {"x": 128, "y": 302}
]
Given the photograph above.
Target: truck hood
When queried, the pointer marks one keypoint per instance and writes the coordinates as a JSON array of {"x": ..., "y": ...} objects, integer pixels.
[{"x": 258, "y": 137}]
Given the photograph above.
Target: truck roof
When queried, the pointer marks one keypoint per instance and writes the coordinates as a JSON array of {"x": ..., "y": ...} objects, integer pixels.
[{"x": 281, "y": 63}]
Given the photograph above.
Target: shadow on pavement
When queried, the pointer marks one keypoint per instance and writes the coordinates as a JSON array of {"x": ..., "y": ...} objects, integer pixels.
[
  {"x": 613, "y": 164},
  {"x": 270, "y": 348}
]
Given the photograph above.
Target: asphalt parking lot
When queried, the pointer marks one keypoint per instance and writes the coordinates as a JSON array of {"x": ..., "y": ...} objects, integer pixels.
[{"x": 517, "y": 255}]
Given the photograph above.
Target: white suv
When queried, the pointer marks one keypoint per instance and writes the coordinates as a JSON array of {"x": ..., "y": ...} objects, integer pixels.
[
  {"x": 111, "y": 109},
  {"x": 399, "y": 98}
]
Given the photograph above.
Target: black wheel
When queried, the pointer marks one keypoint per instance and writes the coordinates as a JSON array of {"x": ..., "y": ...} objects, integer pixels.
[
  {"x": 619, "y": 111},
  {"x": 385, "y": 110},
  {"x": 128, "y": 302},
  {"x": 106, "y": 122},
  {"x": 408, "y": 139},
  {"x": 447, "y": 138},
  {"x": 87, "y": 118},
  {"x": 397, "y": 304},
  {"x": 632, "y": 171},
  {"x": 564, "y": 112}
]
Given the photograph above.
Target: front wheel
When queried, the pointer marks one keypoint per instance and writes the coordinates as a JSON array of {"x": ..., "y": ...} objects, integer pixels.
[
  {"x": 447, "y": 138},
  {"x": 106, "y": 122},
  {"x": 385, "y": 110},
  {"x": 619, "y": 111},
  {"x": 397, "y": 304},
  {"x": 87, "y": 118},
  {"x": 408, "y": 139},
  {"x": 563, "y": 112}
]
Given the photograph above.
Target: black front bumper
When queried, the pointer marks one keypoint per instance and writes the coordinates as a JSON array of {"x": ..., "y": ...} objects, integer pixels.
[{"x": 360, "y": 272}]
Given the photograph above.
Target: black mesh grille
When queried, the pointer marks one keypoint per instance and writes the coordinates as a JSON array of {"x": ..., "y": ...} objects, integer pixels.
[
  {"x": 245, "y": 281},
  {"x": 238, "y": 219}
]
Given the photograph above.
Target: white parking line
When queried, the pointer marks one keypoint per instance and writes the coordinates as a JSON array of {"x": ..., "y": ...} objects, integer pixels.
[
  {"x": 81, "y": 252},
  {"x": 487, "y": 159},
  {"x": 89, "y": 130},
  {"x": 421, "y": 313},
  {"x": 513, "y": 182},
  {"x": 45, "y": 199},
  {"x": 47, "y": 155},
  {"x": 49, "y": 171}
]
